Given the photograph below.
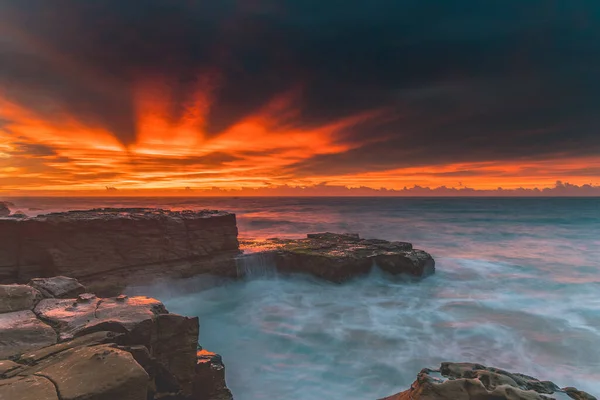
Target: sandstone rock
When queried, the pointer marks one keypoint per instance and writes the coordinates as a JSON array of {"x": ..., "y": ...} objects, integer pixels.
[
  {"x": 18, "y": 298},
  {"x": 338, "y": 257},
  {"x": 467, "y": 381},
  {"x": 118, "y": 246},
  {"x": 88, "y": 313},
  {"x": 67, "y": 316},
  {"x": 34, "y": 356},
  {"x": 21, "y": 331},
  {"x": 60, "y": 287},
  {"x": 27, "y": 388},
  {"x": 94, "y": 373}
]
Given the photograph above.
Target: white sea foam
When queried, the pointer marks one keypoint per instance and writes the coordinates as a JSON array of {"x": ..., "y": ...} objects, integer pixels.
[{"x": 301, "y": 338}]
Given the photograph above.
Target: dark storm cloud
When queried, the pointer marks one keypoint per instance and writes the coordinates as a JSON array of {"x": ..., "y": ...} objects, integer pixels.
[{"x": 459, "y": 81}]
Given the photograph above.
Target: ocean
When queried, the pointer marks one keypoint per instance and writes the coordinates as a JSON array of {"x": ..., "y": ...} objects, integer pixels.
[{"x": 517, "y": 286}]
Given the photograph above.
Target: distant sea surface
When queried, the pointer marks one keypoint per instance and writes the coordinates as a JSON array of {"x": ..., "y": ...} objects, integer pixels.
[{"x": 517, "y": 286}]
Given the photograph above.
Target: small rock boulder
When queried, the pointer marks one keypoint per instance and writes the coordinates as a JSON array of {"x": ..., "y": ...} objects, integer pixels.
[
  {"x": 97, "y": 372},
  {"x": 60, "y": 287},
  {"x": 18, "y": 298}
]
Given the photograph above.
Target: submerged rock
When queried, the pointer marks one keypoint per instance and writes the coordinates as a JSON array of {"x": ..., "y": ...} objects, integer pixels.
[
  {"x": 467, "y": 381},
  {"x": 338, "y": 257}
]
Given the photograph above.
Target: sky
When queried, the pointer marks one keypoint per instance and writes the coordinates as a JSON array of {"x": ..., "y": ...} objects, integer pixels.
[{"x": 164, "y": 95}]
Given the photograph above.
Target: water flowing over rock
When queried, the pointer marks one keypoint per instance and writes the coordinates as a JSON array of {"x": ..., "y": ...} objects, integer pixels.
[
  {"x": 108, "y": 248},
  {"x": 467, "y": 381},
  {"x": 338, "y": 257},
  {"x": 126, "y": 348}
]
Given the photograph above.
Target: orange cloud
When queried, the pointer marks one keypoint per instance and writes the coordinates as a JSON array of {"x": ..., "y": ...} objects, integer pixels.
[{"x": 172, "y": 150}]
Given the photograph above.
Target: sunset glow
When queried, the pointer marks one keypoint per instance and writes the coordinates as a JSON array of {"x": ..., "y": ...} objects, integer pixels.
[
  {"x": 65, "y": 154},
  {"x": 216, "y": 102}
]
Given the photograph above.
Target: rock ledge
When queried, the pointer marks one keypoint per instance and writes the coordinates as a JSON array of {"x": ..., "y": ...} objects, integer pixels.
[{"x": 338, "y": 257}]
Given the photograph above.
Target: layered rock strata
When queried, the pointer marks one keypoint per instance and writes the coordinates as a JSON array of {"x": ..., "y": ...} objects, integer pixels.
[
  {"x": 127, "y": 348},
  {"x": 467, "y": 381},
  {"x": 113, "y": 247},
  {"x": 338, "y": 257}
]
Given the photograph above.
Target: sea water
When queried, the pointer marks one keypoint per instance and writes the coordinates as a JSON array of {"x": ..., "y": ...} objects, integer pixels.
[{"x": 517, "y": 286}]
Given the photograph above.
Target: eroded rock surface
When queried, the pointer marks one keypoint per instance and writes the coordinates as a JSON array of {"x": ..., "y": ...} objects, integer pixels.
[
  {"x": 111, "y": 247},
  {"x": 126, "y": 348},
  {"x": 467, "y": 381},
  {"x": 338, "y": 257}
]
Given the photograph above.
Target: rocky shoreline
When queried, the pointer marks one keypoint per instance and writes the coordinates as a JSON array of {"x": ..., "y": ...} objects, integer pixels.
[
  {"x": 73, "y": 339},
  {"x": 54, "y": 346}
]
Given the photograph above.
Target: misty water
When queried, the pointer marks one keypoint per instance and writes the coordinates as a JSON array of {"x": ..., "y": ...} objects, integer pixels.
[{"x": 517, "y": 286}]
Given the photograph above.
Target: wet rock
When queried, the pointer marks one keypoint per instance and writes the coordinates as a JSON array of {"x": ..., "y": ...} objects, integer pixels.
[
  {"x": 96, "y": 372},
  {"x": 338, "y": 257},
  {"x": 18, "y": 298},
  {"x": 17, "y": 215},
  {"x": 209, "y": 382},
  {"x": 467, "y": 381},
  {"x": 28, "y": 388},
  {"x": 110, "y": 248},
  {"x": 22, "y": 331},
  {"x": 60, "y": 287}
]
